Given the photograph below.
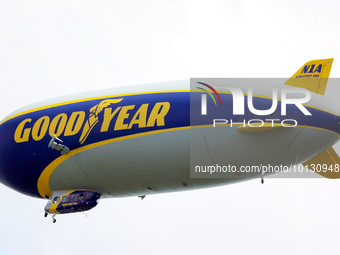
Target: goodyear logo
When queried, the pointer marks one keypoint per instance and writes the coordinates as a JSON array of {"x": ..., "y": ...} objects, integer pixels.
[
  {"x": 310, "y": 71},
  {"x": 62, "y": 125},
  {"x": 93, "y": 118}
]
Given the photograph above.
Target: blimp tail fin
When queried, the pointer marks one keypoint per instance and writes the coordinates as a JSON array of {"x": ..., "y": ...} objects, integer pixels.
[
  {"x": 312, "y": 76},
  {"x": 327, "y": 158}
]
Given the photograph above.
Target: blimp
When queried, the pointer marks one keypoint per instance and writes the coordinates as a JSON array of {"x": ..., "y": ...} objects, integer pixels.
[{"x": 163, "y": 137}]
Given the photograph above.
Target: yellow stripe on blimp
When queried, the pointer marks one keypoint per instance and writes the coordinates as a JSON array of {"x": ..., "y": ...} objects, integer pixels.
[
  {"x": 43, "y": 181},
  {"x": 131, "y": 94},
  {"x": 88, "y": 99}
]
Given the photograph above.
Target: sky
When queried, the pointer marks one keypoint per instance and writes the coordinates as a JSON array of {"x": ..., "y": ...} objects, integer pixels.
[{"x": 56, "y": 48}]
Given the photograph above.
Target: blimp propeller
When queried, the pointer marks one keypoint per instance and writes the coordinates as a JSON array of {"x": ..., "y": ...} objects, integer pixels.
[{"x": 59, "y": 147}]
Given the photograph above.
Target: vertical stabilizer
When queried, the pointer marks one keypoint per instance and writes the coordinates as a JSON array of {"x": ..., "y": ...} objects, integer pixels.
[{"x": 312, "y": 76}]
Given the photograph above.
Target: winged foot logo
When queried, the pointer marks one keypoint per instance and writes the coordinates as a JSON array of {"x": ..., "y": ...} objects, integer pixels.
[{"x": 93, "y": 118}]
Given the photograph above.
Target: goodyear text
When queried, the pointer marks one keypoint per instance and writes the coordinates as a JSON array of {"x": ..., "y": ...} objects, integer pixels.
[{"x": 113, "y": 119}]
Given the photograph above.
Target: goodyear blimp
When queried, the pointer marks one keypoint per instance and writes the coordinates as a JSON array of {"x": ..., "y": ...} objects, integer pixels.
[{"x": 170, "y": 136}]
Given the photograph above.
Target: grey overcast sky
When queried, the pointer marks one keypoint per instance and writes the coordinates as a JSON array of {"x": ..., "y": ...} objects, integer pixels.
[{"x": 55, "y": 48}]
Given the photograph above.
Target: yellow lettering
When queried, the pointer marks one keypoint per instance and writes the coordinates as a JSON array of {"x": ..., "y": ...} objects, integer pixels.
[
  {"x": 62, "y": 117},
  {"x": 20, "y": 137},
  {"x": 159, "y": 116},
  {"x": 122, "y": 116},
  {"x": 73, "y": 128},
  {"x": 42, "y": 125},
  {"x": 108, "y": 115},
  {"x": 141, "y": 114}
]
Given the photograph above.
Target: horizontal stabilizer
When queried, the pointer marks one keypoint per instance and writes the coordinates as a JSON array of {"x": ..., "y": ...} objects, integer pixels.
[
  {"x": 330, "y": 158},
  {"x": 259, "y": 127},
  {"x": 312, "y": 76}
]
